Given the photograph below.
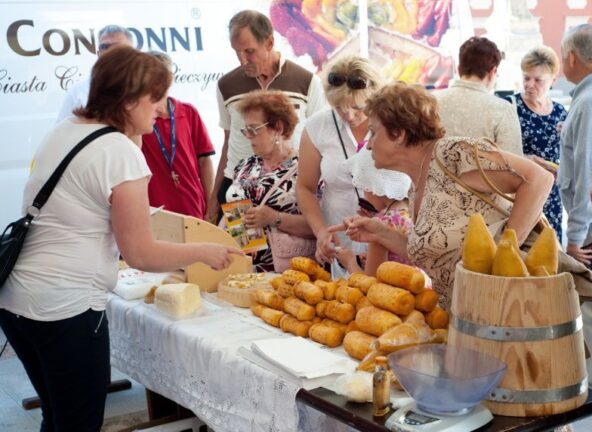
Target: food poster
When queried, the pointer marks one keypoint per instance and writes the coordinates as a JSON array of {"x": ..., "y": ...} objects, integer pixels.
[
  {"x": 250, "y": 239},
  {"x": 415, "y": 41}
]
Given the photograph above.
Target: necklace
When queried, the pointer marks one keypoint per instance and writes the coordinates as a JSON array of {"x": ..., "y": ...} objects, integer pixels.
[{"x": 283, "y": 160}]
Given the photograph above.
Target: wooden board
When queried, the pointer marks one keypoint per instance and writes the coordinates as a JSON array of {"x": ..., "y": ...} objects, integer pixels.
[{"x": 178, "y": 228}]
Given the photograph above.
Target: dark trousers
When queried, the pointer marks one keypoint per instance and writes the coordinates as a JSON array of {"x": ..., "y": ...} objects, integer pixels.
[
  {"x": 226, "y": 183},
  {"x": 68, "y": 363}
]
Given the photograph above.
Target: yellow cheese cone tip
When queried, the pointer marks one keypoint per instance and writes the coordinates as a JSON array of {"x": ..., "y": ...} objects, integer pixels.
[
  {"x": 478, "y": 247},
  {"x": 507, "y": 261}
]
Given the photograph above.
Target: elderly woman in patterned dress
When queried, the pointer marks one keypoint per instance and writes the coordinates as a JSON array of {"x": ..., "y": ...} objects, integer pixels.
[
  {"x": 270, "y": 120},
  {"x": 407, "y": 136},
  {"x": 540, "y": 120}
]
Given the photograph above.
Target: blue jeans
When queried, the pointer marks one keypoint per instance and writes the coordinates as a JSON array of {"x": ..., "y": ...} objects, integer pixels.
[{"x": 68, "y": 364}]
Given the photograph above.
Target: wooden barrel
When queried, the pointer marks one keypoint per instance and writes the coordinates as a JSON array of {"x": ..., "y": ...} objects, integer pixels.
[{"x": 534, "y": 324}]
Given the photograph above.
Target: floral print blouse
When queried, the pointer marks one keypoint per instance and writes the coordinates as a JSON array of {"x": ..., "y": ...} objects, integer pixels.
[
  {"x": 541, "y": 138},
  {"x": 435, "y": 241}
]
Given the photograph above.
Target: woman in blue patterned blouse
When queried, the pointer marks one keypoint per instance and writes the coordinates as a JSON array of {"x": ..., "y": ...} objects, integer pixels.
[{"x": 541, "y": 120}]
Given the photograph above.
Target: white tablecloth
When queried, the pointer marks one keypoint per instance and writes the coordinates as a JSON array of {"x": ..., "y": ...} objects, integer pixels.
[{"x": 194, "y": 362}]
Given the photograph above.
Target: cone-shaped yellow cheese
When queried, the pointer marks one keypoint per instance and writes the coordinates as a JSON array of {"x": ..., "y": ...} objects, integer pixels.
[
  {"x": 539, "y": 271},
  {"x": 510, "y": 234},
  {"x": 507, "y": 261},
  {"x": 544, "y": 252},
  {"x": 478, "y": 247}
]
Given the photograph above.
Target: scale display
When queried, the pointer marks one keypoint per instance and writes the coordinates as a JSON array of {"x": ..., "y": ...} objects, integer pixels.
[
  {"x": 415, "y": 418},
  {"x": 411, "y": 419}
]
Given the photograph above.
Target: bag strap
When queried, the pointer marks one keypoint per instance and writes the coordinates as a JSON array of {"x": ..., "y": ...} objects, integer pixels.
[
  {"x": 278, "y": 184},
  {"x": 52, "y": 182},
  {"x": 482, "y": 172},
  {"x": 469, "y": 188},
  {"x": 342, "y": 145},
  {"x": 539, "y": 225}
]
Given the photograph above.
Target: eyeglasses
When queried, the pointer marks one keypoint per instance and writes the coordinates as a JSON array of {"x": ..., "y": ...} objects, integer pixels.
[
  {"x": 353, "y": 82},
  {"x": 106, "y": 46},
  {"x": 252, "y": 131},
  {"x": 367, "y": 205}
]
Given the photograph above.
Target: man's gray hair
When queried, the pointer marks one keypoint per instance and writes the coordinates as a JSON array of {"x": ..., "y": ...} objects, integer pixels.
[
  {"x": 113, "y": 29},
  {"x": 163, "y": 57},
  {"x": 259, "y": 25},
  {"x": 578, "y": 40}
]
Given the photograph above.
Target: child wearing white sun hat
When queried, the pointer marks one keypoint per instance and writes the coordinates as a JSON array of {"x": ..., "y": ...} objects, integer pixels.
[{"x": 386, "y": 191}]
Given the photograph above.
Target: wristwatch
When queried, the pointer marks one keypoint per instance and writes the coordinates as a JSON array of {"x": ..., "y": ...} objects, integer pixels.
[{"x": 278, "y": 219}]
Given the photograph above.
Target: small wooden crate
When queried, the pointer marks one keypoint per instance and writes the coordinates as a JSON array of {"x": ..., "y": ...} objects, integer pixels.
[{"x": 178, "y": 228}]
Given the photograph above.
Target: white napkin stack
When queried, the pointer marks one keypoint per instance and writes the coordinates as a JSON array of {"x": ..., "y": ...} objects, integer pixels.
[{"x": 302, "y": 358}]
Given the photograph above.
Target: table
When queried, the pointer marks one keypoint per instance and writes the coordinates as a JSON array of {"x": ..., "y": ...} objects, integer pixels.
[
  {"x": 194, "y": 362},
  {"x": 360, "y": 417}
]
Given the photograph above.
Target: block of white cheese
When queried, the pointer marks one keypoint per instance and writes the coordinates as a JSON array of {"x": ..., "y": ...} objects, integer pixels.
[{"x": 178, "y": 300}]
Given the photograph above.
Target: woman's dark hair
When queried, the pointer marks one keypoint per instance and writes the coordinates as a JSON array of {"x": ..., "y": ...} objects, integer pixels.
[
  {"x": 276, "y": 108},
  {"x": 119, "y": 78},
  {"x": 477, "y": 57}
]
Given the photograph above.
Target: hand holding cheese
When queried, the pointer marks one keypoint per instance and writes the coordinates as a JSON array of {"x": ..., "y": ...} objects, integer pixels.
[{"x": 178, "y": 300}]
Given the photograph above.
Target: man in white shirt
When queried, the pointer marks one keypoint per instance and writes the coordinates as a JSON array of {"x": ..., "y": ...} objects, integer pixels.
[
  {"x": 77, "y": 95},
  {"x": 261, "y": 67}
]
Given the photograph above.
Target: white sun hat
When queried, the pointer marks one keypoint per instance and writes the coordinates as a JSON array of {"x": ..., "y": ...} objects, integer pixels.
[{"x": 380, "y": 182}]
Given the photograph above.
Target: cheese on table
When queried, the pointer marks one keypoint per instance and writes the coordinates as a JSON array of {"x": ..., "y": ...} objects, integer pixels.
[{"x": 178, "y": 300}]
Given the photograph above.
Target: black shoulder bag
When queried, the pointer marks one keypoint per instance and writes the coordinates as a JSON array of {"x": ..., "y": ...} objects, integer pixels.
[{"x": 13, "y": 237}]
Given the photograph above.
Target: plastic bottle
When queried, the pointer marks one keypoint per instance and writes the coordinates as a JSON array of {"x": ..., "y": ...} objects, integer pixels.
[{"x": 381, "y": 388}]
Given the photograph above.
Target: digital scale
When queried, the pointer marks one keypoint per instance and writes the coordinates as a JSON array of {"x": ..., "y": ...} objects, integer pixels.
[{"x": 410, "y": 418}]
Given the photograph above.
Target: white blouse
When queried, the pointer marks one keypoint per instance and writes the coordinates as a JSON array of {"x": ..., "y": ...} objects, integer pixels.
[
  {"x": 339, "y": 198},
  {"x": 69, "y": 260}
]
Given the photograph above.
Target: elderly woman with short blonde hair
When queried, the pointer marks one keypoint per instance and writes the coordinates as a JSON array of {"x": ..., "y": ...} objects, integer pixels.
[
  {"x": 541, "y": 119},
  {"x": 329, "y": 139}
]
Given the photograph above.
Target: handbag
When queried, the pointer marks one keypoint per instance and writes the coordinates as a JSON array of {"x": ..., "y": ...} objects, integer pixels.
[
  {"x": 285, "y": 246},
  {"x": 581, "y": 274},
  {"x": 13, "y": 237}
]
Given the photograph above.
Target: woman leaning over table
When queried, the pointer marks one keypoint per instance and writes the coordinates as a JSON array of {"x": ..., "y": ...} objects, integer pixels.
[
  {"x": 52, "y": 307},
  {"x": 406, "y": 136},
  {"x": 541, "y": 119},
  {"x": 329, "y": 139},
  {"x": 270, "y": 120}
]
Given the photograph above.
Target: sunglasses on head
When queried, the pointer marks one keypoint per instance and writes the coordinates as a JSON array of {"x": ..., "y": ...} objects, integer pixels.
[
  {"x": 252, "y": 131},
  {"x": 367, "y": 205},
  {"x": 353, "y": 82}
]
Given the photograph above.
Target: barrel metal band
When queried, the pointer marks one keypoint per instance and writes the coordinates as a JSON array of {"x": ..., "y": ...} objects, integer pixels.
[
  {"x": 538, "y": 396},
  {"x": 517, "y": 334}
]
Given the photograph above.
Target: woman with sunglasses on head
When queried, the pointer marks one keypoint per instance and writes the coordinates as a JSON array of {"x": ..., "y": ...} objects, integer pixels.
[
  {"x": 268, "y": 177},
  {"x": 53, "y": 304},
  {"x": 328, "y": 140}
]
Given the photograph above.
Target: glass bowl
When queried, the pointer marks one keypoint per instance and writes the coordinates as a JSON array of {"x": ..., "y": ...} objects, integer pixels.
[{"x": 445, "y": 379}]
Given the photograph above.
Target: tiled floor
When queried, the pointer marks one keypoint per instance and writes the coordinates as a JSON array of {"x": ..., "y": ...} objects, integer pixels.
[{"x": 14, "y": 386}]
